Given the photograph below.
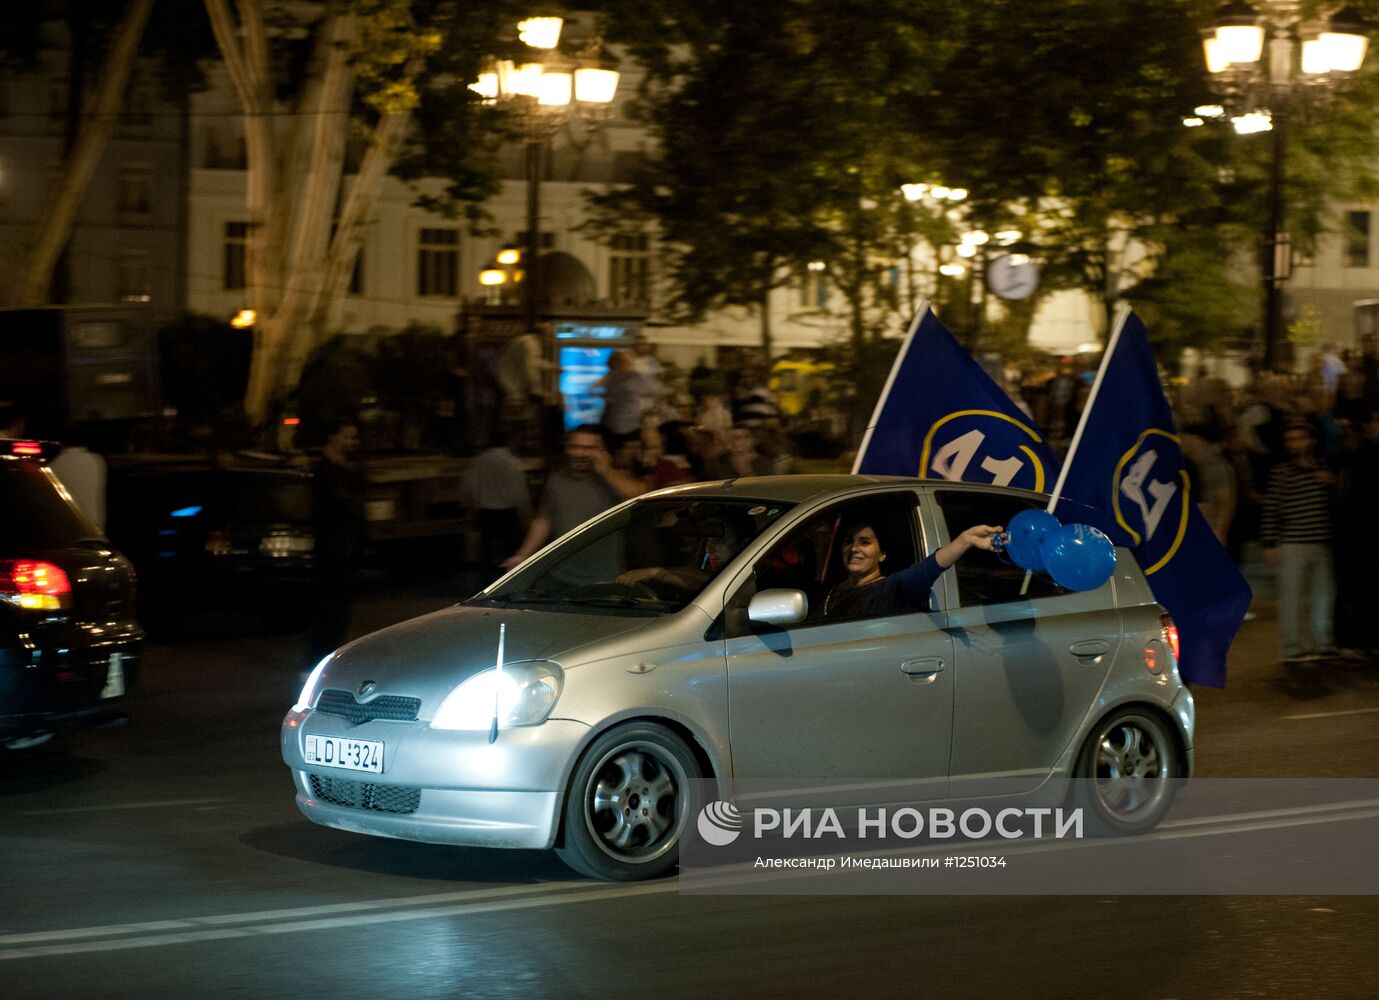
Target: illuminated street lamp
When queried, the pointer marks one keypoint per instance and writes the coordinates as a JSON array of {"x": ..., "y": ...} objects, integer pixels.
[
  {"x": 544, "y": 91},
  {"x": 1263, "y": 57}
]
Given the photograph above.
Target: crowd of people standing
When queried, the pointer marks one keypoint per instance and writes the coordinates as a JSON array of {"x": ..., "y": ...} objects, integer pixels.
[{"x": 1279, "y": 466}]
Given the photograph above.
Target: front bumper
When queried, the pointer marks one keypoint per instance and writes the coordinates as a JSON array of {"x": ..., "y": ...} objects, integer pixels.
[{"x": 439, "y": 786}]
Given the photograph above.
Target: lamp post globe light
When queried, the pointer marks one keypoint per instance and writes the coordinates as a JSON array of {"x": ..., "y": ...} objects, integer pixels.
[
  {"x": 544, "y": 91},
  {"x": 1265, "y": 58}
]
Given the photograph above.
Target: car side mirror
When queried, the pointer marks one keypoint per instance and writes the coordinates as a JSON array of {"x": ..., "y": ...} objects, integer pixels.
[{"x": 778, "y": 607}]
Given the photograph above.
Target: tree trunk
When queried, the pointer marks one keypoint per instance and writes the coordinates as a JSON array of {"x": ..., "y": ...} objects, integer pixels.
[
  {"x": 85, "y": 157},
  {"x": 360, "y": 204},
  {"x": 292, "y": 191},
  {"x": 298, "y": 270}
]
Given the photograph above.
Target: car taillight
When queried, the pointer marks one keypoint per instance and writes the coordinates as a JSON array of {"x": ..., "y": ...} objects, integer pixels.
[
  {"x": 1170, "y": 633},
  {"x": 29, "y": 449},
  {"x": 35, "y": 585}
]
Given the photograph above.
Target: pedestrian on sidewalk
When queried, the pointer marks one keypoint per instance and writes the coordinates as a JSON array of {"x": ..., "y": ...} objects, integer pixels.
[{"x": 1296, "y": 531}]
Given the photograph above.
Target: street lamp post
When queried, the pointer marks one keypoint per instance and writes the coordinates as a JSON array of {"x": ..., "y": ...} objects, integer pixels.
[
  {"x": 543, "y": 92},
  {"x": 1261, "y": 84}
]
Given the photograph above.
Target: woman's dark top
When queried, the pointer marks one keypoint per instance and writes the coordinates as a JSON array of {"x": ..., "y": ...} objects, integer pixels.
[{"x": 903, "y": 591}]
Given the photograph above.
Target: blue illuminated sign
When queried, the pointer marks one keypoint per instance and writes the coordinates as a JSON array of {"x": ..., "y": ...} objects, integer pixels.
[
  {"x": 581, "y": 368},
  {"x": 590, "y": 331}
]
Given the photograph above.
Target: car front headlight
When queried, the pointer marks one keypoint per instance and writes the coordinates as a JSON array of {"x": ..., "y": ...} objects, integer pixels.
[
  {"x": 308, "y": 694},
  {"x": 523, "y": 694}
]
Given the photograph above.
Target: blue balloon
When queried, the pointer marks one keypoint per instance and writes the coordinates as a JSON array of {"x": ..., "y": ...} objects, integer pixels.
[
  {"x": 1079, "y": 557},
  {"x": 1027, "y": 531}
]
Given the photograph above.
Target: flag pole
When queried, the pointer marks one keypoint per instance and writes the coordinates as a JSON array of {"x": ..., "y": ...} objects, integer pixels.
[
  {"x": 890, "y": 381},
  {"x": 1122, "y": 314},
  {"x": 1118, "y": 324}
]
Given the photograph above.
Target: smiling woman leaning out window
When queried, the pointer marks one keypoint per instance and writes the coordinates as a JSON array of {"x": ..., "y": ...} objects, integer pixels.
[{"x": 867, "y": 592}]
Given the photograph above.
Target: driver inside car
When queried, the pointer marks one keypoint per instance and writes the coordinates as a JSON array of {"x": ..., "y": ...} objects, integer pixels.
[{"x": 723, "y": 539}]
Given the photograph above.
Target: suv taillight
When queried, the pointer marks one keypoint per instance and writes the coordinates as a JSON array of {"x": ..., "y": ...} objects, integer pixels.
[
  {"x": 36, "y": 585},
  {"x": 1170, "y": 633}
]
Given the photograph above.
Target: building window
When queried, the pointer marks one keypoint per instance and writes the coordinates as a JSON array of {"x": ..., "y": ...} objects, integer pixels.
[
  {"x": 357, "y": 275},
  {"x": 236, "y": 254},
  {"x": 138, "y": 107},
  {"x": 1357, "y": 239},
  {"x": 629, "y": 270},
  {"x": 134, "y": 196},
  {"x": 135, "y": 279},
  {"x": 813, "y": 287},
  {"x": 438, "y": 263},
  {"x": 58, "y": 99}
]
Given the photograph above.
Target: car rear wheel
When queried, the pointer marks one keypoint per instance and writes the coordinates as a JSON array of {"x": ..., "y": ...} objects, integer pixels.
[
  {"x": 628, "y": 804},
  {"x": 1128, "y": 772}
]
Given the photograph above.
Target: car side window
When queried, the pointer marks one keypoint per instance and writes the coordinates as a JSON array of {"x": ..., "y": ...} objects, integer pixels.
[
  {"x": 809, "y": 559},
  {"x": 984, "y": 577}
]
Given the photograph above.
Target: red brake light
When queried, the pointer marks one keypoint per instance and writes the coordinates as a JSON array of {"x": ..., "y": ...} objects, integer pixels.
[
  {"x": 30, "y": 583},
  {"x": 28, "y": 448},
  {"x": 1170, "y": 633}
]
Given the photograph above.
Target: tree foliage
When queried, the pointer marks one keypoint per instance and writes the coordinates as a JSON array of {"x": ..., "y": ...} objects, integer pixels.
[
  {"x": 777, "y": 141},
  {"x": 786, "y": 129}
]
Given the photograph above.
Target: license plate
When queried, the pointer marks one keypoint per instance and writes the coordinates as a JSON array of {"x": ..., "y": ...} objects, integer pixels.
[
  {"x": 337, "y": 751},
  {"x": 114, "y": 677}
]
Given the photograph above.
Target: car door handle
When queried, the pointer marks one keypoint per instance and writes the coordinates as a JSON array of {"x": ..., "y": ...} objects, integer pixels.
[
  {"x": 1090, "y": 650},
  {"x": 923, "y": 670}
]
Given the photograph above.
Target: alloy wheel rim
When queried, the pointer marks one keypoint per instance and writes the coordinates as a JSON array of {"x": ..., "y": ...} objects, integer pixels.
[
  {"x": 634, "y": 802},
  {"x": 1131, "y": 772}
]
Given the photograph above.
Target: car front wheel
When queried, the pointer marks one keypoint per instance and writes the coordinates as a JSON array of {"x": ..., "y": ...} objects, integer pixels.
[
  {"x": 628, "y": 804},
  {"x": 1128, "y": 772}
]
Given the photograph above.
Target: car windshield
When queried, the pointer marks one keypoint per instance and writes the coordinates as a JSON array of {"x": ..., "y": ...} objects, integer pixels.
[{"x": 652, "y": 557}]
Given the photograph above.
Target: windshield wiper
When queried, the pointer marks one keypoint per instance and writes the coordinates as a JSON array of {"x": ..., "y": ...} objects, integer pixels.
[
  {"x": 618, "y": 601},
  {"x": 526, "y": 597}
]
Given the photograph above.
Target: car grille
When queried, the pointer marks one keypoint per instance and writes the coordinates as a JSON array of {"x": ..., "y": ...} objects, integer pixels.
[
  {"x": 366, "y": 795},
  {"x": 393, "y": 708}
]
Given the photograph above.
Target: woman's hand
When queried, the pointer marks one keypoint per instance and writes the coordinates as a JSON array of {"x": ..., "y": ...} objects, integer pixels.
[
  {"x": 976, "y": 537},
  {"x": 979, "y": 536}
]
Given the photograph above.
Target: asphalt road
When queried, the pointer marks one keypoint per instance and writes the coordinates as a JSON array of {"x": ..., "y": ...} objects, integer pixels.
[{"x": 166, "y": 859}]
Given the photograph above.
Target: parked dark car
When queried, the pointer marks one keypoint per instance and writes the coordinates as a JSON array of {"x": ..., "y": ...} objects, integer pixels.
[
  {"x": 207, "y": 537},
  {"x": 70, "y": 641}
]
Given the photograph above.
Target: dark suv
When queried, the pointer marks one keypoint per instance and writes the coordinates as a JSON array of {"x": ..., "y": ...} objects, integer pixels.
[{"x": 69, "y": 639}]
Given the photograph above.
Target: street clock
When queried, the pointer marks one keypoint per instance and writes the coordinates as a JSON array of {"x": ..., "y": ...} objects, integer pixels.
[{"x": 1011, "y": 280}]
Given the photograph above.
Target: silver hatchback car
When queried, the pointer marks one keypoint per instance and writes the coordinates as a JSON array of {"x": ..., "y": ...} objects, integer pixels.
[{"x": 686, "y": 635}]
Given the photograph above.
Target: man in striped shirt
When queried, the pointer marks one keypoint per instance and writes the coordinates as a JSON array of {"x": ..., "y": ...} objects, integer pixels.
[{"x": 1296, "y": 531}]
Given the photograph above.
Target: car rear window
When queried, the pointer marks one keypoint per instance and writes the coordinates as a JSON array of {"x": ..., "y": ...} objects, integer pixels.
[
  {"x": 232, "y": 496},
  {"x": 33, "y": 512},
  {"x": 268, "y": 498}
]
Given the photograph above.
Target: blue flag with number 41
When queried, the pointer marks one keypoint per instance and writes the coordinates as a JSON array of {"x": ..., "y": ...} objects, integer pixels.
[
  {"x": 941, "y": 416},
  {"x": 1127, "y": 465}
]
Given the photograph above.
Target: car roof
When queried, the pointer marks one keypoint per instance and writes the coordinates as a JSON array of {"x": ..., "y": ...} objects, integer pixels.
[
  {"x": 796, "y": 489},
  {"x": 173, "y": 465}
]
